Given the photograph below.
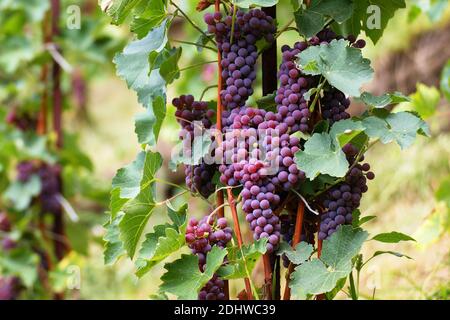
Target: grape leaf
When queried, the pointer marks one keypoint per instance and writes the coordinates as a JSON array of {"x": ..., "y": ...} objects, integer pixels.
[
  {"x": 183, "y": 277},
  {"x": 322, "y": 154},
  {"x": 113, "y": 245},
  {"x": 21, "y": 193},
  {"x": 445, "y": 81},
  {"x": 375, "y": 20},
  {"x": 384, "y": 100},
  {"x": 342, "y": 66},
  {"x": 149, "y": 17},
  {"x": 267, "y": 102},
  {"x": 169, "y": 68},
  {"x": 128, "y": 179},
  {"x": 401, "y": 127},
  {"x": 133, "y": 65},
  {"x": 397, "y": 254},
  {"x": 301, "y": 253},
  {"x": 239, "y": 261},
  {"x": 164, "y": 241},
  {"x": 148, "y": 124},
  {"x": 22, "y": 263},
  {"x": 16, "y": 52},
  {"x": 322, "y": 275},
  {"x": 366, "y": 219},
  {"x": 392, "y": 237},
  {"x": 119, "y": 10},
  {"x": 312, "y": 19},
  {"x": 346, "y": 130},
  {"x": 138, "y": 210},
  {"x": 248, "y": 3}
]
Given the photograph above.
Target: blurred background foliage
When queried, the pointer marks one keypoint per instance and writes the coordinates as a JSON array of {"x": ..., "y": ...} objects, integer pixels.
[{"x": 411, "y": 193}]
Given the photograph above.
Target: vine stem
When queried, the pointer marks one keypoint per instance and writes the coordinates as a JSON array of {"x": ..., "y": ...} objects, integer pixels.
[
  {"x": 197, "y": 65},
  {"x": 237, "y": 228},
  {"x": 220, "y": 195},
  {"x": 192, "y": 22},
  {"x": 61, "y": 247},
  {"x": 295, "y": 241},
  {"x": 194, "y": 44},
  {"x": 269, "y": 85}
]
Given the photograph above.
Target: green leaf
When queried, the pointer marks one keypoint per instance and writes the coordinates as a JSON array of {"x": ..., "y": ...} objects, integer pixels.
[
  {"x": 148, "y": 124},
  {"x": 21, "y": 193},
  {"x": 133, "y": 65},
  {"x": 242, "y": 260},
  {"x": 128, "y": 179},
  {"x": 16, "y": 52},
  {"x": 119, "y": 10},
  {"x": 425, "y": 100},
  {"x": 183, "y": 277},
  {"x": 339, "y": 286},
  {"x": 373, "y": 22},
  {"x": 384, "y": 100},
  {"x": 169, "y": 68},
  {"x": 401, "y": 127},
  {"x": 150, "y": 17},
  {"x": 445, "y": 81},
  {"x": 138, "y": 210},
  {"x": 260, "y": 3},
  {"x": 267, "y": 102},
  {"x": 392, "y": 237},
  {"x": 113, "y": 245},
  {"x": 312, "y": 19},
  {"x": 346, "y": 130},
  {"x": 322, "y": 155},
  {"x": 21, "y": 263},
  {"x": 342, "y": 66},
  {"x": 301, "y": 253},
  {"x": 164, "y": 241},
  {"x": 397, "y": 254},
  {"x": 322, "y": 275},
  {"x": 366, "y": 219}
]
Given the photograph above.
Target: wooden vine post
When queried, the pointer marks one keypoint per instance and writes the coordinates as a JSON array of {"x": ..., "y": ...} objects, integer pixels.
[
  {"x": 60, "y": 241},
  {"x": 269, "y": 85}
]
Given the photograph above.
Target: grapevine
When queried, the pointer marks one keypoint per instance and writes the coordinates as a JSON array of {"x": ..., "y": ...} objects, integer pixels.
[{"x": 292, "y": 168}]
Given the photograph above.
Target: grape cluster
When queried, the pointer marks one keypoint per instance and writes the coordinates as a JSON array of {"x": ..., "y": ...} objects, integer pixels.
[
  {"x": 341, "y": 200},
  {"x": 201, "y": 236},
  {"x": 10, "y": 288},
  {"x": 259, "y": 155},
  {"x": 239, "y": 57},
  {"x": 290, "y": 98},
  {"x": 334, "y": 105},
  {"x": 195, "y": 116},
  {"x": 49, "y": 175},
  {"x": 23, "y": 122}
]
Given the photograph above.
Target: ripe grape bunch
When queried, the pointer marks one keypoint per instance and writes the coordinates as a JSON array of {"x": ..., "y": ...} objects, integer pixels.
[
  {"x": 237, "y": 45},
  {"x": 201, "y": 236},
  {"x": 341, "y": 200},
  {"x": 194, "y": 116}
]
